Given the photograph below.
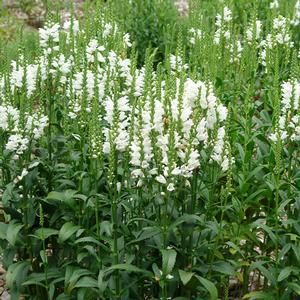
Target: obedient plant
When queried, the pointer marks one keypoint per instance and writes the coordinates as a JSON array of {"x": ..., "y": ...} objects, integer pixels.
[{"x": 176, "y": 180}]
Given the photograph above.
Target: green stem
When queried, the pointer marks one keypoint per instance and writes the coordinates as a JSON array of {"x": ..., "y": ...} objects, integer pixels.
[{"x": 115, "y": 241}]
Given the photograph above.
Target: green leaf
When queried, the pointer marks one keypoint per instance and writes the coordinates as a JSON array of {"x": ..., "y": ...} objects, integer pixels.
[
  {"x": 223, "y": 267},
  {"x": 168, "y": 260},
  {"x": 66, "y": 231},
  {"x": 156, "y": 270},
  {"x": 72, "y": 276},
  {"x": 128, "y": 268},
  {"x": 86, "y": 282},
  {"x": 284, "y": 273},
  {"x": 43, "y": 256},
  {"x": 190, "y": 219},
  {"x": 106, "y": 227},
  {"x": 13, "y": 230},
  {"x": 88, "y": 239},
  {"x": 146, "y": 233},
  {"x": 255, "y": 194},
  {"x": 44, "y": 233},
  {"x": 185, "y": 277},
  {"x": 241, "y": 151},
  {"x": 91, "y": 251},
  {"x": 36, "y": 278},
  {"x": 234, "y": 248},
  {"x": 286, "y": 248},
  {"x": 102, "y": 284},
  {"x": 295, "y": 287},
  {"x": 296, "y": 250},
  {"x": 254, "y": 172},
  {"x": 64, "y": 297},
  {"x": 57, "y": 196},
  {"x": 259, "y": 265},
  {"x": 210, "y": 287},
  {"x": 219, "y": 82},
  {"x": 67, "y": 197},
  {"x": 259, "y": 295},
  {"x": 260, "y": 223},
  {"x": 81, "y": 256},
  {"x": 9, "y": 194},
  {"x": 51, "y": 291},
  {"x": 3, "y": 231},
  {"x": 15, "y": 276}
]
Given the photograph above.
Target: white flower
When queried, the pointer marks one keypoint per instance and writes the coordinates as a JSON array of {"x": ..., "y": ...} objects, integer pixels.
[
  {"x": 219, "y": 146},
  {"x": 92, "y": 49},
  {"x": 122, "y": 140},
  {"x": 227, "y": 14},
  {"x": 274, "y": 4},
  {"x": 119, "y": 185},
  {"x": 16, "y": 143},
  {"x": 161, "y": 179},
  {"x": 48, "y": 33},
  {"x": 222, "y": 25},
  {"x": 135, "y": 153},
  {"x": 287, "y": 93},
  {"x": 16, "y": 75},
  {"x": 77, "y": 82},
  {"x": 281, "y": 31},
  {"x": 106, "y": 147},
  {"x": 203, "y": 95},
  {"x": 176, "y": 63},
  {"x": 153, "y": 171},
  {"x": 296, "y": 19},
  {"x": 107, "y": 30},
  {"x": 288, "y": 120},
  {"x": 31, "y": 76},
  {"x": 296, "y": 94},
  {"x": 72, "y": 115},
  {"x": 225, "y": 164},
  {"x": 137, "y": 173},
  {"x": 171, "y": 187},
  {"x": 68, "y": 24},
  {"x": 39, "y": 125},
  {"x": 273, "y": 137},
  {"x": 139, "y": 183},
  {"x": 211, "y": 118},
  {"x": 195, "y": 35},
  {"x": 176, "y": 171},
  {"x": 202, "y": 134},
  {"x": 283, "y": 135},
  {"x": 250, "y": 33},
  {"x": 222, "y": 112},
  {"x": 193, "y": 161},
  {"x": 191, "y": 90},
  {"x": 126, "y": 40},
  {"x": 9, "y": 117},
  {"x": 139, "y": 83},
  {"x": 19, "y": 178}
]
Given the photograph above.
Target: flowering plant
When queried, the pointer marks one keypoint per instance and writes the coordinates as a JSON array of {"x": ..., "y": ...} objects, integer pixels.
[{"x": 177, "y": 180}]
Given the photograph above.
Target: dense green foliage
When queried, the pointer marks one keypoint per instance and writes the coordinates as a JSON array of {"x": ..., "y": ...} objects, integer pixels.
[
  {"x": 163, "y": 164},
  {"x": 150, "y": 23}
]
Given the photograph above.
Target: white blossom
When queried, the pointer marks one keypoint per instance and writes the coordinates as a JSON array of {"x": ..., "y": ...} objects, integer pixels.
[{"x": 161, "y": 179}]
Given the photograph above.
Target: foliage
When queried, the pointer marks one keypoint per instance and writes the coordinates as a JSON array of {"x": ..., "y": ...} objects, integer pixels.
[
  {"x": 130, "y": 172},
  {"x": 150, "y": 23}
]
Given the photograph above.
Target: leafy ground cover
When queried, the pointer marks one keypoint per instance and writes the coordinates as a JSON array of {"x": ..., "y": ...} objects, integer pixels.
[{"x": 146, "y": 155}]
